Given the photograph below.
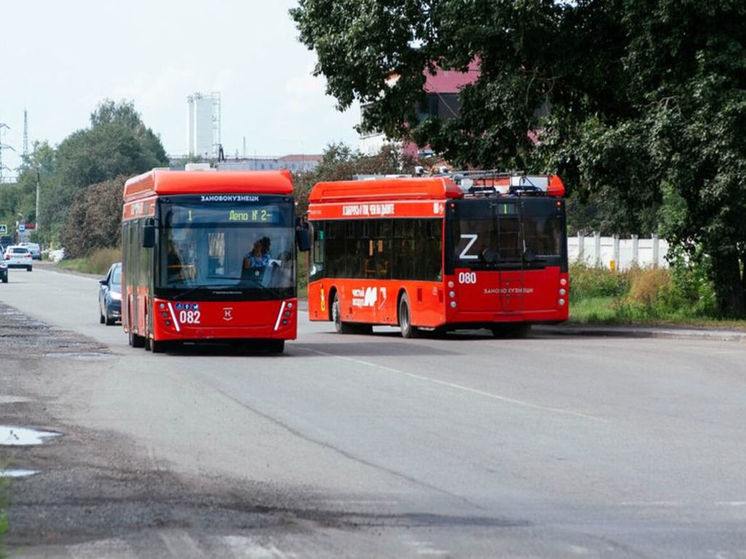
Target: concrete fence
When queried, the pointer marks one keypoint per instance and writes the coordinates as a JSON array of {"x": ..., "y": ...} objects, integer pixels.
[{"x": 616, "y": 253}]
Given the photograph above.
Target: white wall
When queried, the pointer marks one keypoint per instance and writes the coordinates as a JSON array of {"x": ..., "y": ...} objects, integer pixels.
[{"x": 625, "y": 253}]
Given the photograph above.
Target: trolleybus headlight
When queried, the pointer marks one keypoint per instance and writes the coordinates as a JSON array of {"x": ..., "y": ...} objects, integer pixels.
[
  {"x": 164, "y": 314},
  {"x": 286, "y": 313},
  {"x": 563, "y": 282},
  {"x": 561, "y": 302},
  {"x": 162, "y": 306},
  {"x": 450, "y": 284},
  {"x": 562, "y": 292},
  {"x": 290, "y": 305},
  {"x": 453, "y": 304},
  {"x": 168, "y": 323},
  {"x": 451, "y": 294}
]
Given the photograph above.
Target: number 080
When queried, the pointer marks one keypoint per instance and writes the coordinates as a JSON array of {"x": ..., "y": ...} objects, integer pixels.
[{"x": 467, "y": 277}]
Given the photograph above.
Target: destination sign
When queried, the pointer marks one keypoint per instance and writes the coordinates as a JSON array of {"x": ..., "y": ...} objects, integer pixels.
[{"x": 223, "y": 214}]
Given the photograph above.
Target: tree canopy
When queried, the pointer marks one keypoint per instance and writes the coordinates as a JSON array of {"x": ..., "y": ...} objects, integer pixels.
[
  {"x": 638, "y": 104},
  {"x": 117, "y": 143}
]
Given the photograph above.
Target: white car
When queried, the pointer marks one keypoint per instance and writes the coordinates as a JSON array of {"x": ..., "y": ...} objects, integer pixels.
[
  {"x": 34, "y": 249},
  {"x": 17, "y": 256}
]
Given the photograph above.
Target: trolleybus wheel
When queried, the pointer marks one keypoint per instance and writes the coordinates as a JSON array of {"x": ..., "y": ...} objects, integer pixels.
[
  {"x": 135, "y": 340},
  {"x": 511, "y": 330},
  {"x": 276, "y": 346},
  {"x": 339, "y": 326},
  {"x": 155, "y": 346},
  {"x": 405, "y": 319}
]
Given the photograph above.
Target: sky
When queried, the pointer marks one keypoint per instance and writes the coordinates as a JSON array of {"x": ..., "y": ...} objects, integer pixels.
[{"x": 61, "y": 59}]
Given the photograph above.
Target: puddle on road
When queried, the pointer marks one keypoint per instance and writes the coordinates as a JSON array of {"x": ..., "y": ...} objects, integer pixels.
[
  {"x": 18, "y": 473},
  {"x": 12, "y": 399},
  {"x": 80, "y": 356},
  {"x": 21, "y": 436}
]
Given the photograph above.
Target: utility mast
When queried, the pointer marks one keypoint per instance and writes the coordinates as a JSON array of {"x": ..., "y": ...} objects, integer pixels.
[
  {"x": 25, "y": 134},
  {"x": 2, "y": 146}
]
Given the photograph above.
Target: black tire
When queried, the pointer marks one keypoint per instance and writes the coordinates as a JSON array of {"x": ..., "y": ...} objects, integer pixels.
[
  {"x": 339, "y": 326},
  {"x": 361, "y": 328},
  {"x": 155, "y": 346},
  {"x": 405, "y": 319},
  {"x": 135, "y": 340},
  {"x": 276, "y": 346},
  {"x": 28, "y": 268},
  {"x": 101, "y": 318},
  {"x": 511, "y": 330}
]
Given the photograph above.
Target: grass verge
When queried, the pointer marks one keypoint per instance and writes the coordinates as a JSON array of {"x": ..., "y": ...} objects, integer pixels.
[
  {"x": 4, "y": 503},
  {"x": 649, "y": 297}
]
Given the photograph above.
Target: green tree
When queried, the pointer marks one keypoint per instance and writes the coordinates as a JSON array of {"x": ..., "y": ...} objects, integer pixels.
[
  {"x": 95, "y": 218},
  {"x": 341, "y": 162},
  {"x": 621, "y": 97},
  {"x": 117, "y": 143}
]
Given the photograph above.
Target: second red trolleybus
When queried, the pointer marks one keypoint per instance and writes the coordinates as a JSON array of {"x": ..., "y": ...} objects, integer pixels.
[
  {"x": 209, "y": 255},
  {"x": 470, "y": 250}
]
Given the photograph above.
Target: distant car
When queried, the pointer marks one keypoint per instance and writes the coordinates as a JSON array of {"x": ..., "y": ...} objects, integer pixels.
[
  {"x": 17, "y": 256},
  {"x": 34, "y": 249},
  {"x": 3, "y": 271},
  {"x": 110, "y": 295}
]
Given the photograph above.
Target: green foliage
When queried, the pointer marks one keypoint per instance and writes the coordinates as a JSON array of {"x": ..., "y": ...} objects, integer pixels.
[
  {"x": 627, "y": 98},
  {"x": 116, "y": 144},
  {"x": 340, "y": 162},
  {"x": 4, "y": 504},
  {"x": 587, "y": 283},
  {"x": 95, "y": 218},
  {"x": 98, "y": 262},
  {"x": 679, "y": 293}
]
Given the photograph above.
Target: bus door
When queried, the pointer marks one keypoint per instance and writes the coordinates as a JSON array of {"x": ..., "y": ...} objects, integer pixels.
[
  {"x": 488, "y": 245},
  {"x": 507, "y": 220}
]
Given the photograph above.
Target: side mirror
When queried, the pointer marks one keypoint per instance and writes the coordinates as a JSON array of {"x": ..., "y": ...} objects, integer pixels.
[
  {"x": 103, "y": 281},
  {"x": 303, "y": 239}
]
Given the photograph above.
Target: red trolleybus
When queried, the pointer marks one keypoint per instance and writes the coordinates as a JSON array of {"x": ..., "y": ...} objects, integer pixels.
[
  {"x": 209, "y": 255},
  {"x": 469, "y": 250}
]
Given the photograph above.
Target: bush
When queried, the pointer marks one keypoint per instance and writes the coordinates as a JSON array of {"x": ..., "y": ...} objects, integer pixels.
[
  {"x": 95, "y": 219},
  {"x": 4, "y": 504},
  {"x": 681, "y": 292},
  {"x": 587, "y": 282},
  {"x": 646, "y": 285},
  {"x": 100, "y": 260}
]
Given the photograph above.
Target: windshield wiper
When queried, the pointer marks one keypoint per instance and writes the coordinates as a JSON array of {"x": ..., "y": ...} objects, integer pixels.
[
  {"x": 186, "y": 293},
  {"x": 274, "y": 291}
]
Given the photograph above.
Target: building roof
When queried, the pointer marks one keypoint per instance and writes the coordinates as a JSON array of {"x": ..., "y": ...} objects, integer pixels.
[
  {"x": 301, "y": 157},
  {"x": 451, "y": 81}
]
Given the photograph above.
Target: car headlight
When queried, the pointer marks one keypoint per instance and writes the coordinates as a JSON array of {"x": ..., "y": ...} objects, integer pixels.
[{"x": 115, "y": 295}]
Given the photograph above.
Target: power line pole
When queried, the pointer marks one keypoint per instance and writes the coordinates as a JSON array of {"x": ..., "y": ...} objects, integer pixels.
[
  {"x": 2, "y": 145},
  {"x": 25, "y": 134},
  {"x": 38, "y": 189}
]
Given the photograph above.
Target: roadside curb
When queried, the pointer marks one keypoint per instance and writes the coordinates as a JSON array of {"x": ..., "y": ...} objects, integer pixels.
[
  {"x": 644, "y": 332},
  {"x": 52, "y": 267}
]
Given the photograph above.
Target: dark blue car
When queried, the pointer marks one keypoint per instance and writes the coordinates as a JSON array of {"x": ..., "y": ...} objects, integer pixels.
[{"x": 110, "y": 295}]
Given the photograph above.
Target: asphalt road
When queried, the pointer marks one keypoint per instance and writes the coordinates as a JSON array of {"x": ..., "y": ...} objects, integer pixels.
[{"x": 367, "y": 446}]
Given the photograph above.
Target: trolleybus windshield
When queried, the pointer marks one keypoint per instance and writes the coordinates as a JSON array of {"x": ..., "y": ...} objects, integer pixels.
[
  {"x": 235, "y": 248},
  {"x": 507, "y": 233}
]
